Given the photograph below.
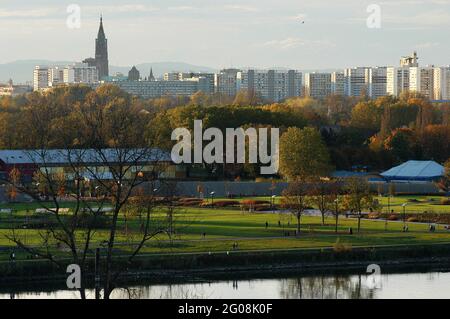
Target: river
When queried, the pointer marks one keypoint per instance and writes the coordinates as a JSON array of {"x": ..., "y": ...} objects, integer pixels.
[{"x": 434, "y": 285}]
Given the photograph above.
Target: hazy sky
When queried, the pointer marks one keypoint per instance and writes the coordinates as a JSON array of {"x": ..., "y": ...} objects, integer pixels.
[{"x": 221, "y": 33}]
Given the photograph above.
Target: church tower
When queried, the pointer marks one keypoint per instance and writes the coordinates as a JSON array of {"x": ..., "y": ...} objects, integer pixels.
[{"x": 101, "y": 52}]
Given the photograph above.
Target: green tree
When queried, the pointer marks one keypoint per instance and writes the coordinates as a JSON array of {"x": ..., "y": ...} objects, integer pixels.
[
  {"x": 303, "y": 154},
  {"x": 358, "y": 197}
]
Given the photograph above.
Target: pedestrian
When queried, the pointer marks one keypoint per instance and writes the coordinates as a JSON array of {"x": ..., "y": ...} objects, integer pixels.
[
  {"x": 267, "y": 225},
  {"x": 279, "y": 223}
]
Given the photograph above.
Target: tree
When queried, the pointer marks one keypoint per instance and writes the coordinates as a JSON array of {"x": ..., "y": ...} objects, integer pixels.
[
  {"x": 435, "y": 141},
  {"x": 357, "y": 197},
  {"x": 444, "y": 183},
  {"x": 303, "y": 154},
  {"x": 295, "y": 198},
  {"x": 108, "y": 127},
  {"x": 322, "y": 194},
  {"x": 366, "y": 115},
  {"x": 403, "y": 144}
]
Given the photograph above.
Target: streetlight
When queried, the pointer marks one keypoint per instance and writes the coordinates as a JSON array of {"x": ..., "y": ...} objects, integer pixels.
[
  {"x": 212, "y": 198},
  {"x": 273, "y": 200},
  {"x": 404, "y": 214}
]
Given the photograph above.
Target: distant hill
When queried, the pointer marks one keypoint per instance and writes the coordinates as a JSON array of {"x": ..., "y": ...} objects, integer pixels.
[{"x": 22, "y": 71}]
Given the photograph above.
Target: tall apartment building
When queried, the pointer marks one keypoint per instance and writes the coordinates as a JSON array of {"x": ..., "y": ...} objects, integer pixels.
[
  {"x": 441, "y": 85},
  {"x": 80, "y": 73},
  {"x": 355, "y": 81},
  {"x": 318, "y": 85},
  {"x": 338, "y": 83},
  {"x": 55, "y": 76},
  {"x": 40, "y": 77},
  {"x": 272, "y": 85},
  {"x": 397, "y": 80},
  {"x": 376, "y": 82},
  {"x": 45, "y": 77},
  {"x": 226, "y": 82},
  {"x": 421, "y": 80}
]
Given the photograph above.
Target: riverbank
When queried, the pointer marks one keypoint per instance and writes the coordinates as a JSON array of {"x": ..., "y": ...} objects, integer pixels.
[{"x": 166, "y": 268}]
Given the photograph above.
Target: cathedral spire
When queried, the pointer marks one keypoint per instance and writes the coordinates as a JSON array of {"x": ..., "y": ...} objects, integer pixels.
[
  {"x": 151, "y": 77},
  {"x": 101, "y": 51},
  {"x": 101, "y": 31}
]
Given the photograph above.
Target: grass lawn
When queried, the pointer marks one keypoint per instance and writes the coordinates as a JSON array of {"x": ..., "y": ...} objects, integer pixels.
[{"x": 223, "y": 227}]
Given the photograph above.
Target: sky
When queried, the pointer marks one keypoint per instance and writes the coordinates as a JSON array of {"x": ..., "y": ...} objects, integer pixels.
[{"x": 225, "y": 33}]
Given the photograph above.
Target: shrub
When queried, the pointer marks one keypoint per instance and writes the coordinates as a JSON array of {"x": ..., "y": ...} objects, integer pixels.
[
  {"x": 226, "y": 203},
  {"x": 393, "y": 217},
  {"x": 374, "y": 216},
  {"x": 412, "y": 220},
  {"x": 445, "y": 201},
  {"x": 339, "y": 247}
]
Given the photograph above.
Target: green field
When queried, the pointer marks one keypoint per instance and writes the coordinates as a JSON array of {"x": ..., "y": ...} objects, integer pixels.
[{"x": 224, "y": 227}]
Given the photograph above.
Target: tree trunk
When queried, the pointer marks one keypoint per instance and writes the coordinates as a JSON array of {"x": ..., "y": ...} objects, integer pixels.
[
  {"x": 337, "y": 222},
  {"x": 359, "y": 221},
  {"x": 298, "y": 223}
]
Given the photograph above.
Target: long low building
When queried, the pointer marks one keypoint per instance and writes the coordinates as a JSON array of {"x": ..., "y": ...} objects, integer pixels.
[
  {"x": 89, "y": 164},
  {"x": 155, "y": 89}
]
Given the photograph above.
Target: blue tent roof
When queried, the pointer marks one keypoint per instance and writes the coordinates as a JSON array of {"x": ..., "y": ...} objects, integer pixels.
[{"x": 415, "y": 171}]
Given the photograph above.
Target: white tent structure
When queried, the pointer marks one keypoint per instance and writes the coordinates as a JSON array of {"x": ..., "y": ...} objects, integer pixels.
[{"x": 415, "y": 171}]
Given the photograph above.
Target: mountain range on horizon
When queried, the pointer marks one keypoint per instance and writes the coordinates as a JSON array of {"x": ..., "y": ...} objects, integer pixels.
[{"x": 22, "y": 71}]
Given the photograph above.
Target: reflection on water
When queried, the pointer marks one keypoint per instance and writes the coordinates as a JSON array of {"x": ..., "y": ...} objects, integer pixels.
[{"x": 424, "y": 285}]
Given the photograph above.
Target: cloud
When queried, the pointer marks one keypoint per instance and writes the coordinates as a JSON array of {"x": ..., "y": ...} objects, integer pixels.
[
  {"x": 127, "y": 8},
  {"x": 242, "y": 8},
  {"x": 292, "y": 42},
  {"x": 300, "y": 16},
  {"x": 32, "y": 13},
  {"x": 427, "y": 45},
  {"x": 180, "y": 8}
]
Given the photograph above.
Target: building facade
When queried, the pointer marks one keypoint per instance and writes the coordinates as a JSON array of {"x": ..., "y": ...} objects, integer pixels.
[
  {"x": 441, "y": 78},
  {"x": 318, "y": 85},
  {"x": 421, "y": 80},
  {"x": 272, "y": 85},
  {"x": 337, "y": 83},
  {"x": 355, "y": 81},
  {"x": 40, "y": 78},
  {"x": 80, "y": 73},
  {"x": 397, "y": 80},
  {"x": 376, "y": 82},
  {"x": 134, "y": 74},
  {"x": 156, "y": 89},
  {"x": 226, "y": 82}
]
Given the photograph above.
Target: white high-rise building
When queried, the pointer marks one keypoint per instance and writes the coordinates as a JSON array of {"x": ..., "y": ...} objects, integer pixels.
[
  {"x": 338, "y": 83},
  {"x": 355, "y": 81},
  {"x": 441, "y": 83},
  {"x": 318, "y": 85},
  {"x": 397, "y": 80},
  {"x": 226, "y": 82},
  {"x": 55, "y": 76},
  {"x": 272, "y": 85},
  {"x": 80, "y": 73},
  {"x": 376, "y": 82},
  {"x": 421, "y": 80},
  {"x": 40, "y": 78}
]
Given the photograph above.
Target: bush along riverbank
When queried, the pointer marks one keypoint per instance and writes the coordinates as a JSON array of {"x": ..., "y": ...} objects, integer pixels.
[{"x": 160, "y": 268}]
